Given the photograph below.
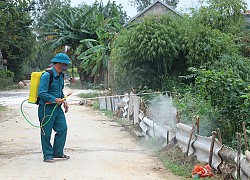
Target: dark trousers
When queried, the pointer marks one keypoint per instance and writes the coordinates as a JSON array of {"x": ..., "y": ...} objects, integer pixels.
[{"x": 58, "y": 124}]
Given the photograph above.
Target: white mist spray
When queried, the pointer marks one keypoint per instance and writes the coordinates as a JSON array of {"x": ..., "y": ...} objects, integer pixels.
[{"x": 162, "y": 112}]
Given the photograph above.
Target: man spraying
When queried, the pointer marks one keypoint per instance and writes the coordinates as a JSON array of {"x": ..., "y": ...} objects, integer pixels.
[{"x": 50, "y": 94}]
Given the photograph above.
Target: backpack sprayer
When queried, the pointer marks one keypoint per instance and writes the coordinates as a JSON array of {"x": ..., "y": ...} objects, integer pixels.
[
  {"x": 33, "y": 96},
  {"x": 34, "y": 85}
]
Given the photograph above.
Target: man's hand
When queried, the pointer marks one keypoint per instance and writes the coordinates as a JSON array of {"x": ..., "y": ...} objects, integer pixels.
[
  {"x": 66, "y": 106},
  {"x": 59, "y": 101}
]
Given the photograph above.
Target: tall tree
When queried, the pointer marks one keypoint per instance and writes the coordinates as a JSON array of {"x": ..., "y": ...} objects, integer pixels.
[
  {"x": 41, "y": 7},
  {"x": 66, "y": 27},
  {"x": 225, "y": 15},
  {"x": 141, "y": 4},
  {"x": 106, "y": 21},
  {"x": 148, "y": 52},
  {"x": 71, "y": 26},
  {"x": 16, "y": 40}
]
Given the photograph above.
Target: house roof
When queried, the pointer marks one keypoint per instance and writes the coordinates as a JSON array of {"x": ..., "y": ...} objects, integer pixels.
[
  {"x": 247, "y": 12},
  {"x": 148, "y": 7}
]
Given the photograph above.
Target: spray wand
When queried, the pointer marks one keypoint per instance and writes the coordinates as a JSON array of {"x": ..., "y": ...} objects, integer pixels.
[{"x": 50, "y": 116}]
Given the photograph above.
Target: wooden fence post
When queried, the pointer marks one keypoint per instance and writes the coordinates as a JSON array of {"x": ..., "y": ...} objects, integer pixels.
[
  {"x": 214, "y": 133},
  {"x": 198, "y": 124},
  {"x": 190, "y": 138},
  {"x": 238, "y": 135},
  {"x": 219, "y": 135}
]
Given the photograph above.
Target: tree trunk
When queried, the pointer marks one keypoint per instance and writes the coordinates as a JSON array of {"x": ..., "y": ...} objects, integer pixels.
[{"x": 83, "y": 76}]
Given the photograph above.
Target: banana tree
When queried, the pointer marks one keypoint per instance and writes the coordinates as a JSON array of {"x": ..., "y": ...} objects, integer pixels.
[
  {"x": 105, "y": 23},
  {"x": 66, "y": 28},
  {"x": 92, "y": 60},
  {"x": 71, "y": 25}
]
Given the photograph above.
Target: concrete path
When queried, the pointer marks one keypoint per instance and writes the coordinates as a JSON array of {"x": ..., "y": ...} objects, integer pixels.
[{"x": 98, "y": 147}]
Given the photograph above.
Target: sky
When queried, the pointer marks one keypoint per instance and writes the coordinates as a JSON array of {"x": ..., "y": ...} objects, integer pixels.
[{"x": 131, "y": 11}]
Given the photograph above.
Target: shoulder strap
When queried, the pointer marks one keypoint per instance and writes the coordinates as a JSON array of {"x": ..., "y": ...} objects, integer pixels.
[
  {"x": 51, "y": 76},
  {"x": 50, "y": 81}
]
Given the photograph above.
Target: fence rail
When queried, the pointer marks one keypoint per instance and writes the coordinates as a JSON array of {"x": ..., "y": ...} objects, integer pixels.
[{"x": 207, "y": 149}]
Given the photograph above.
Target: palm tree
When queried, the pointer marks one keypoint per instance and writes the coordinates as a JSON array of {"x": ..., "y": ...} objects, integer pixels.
[
  {"x": 88, "y": 31},
  {"x": 67, "y": 28},
  {"x": 105, "y": 22}
]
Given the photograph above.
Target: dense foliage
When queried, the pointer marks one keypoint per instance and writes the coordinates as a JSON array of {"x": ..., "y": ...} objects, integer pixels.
[
  {"x": 224, "y": 15},
  {"x": 17, "y": 40},
  {"x": 205, "y": 45},
  {"x": 147, "y": 52},
  {"x": 88, "y": 31},
  {"x": 6, "y": 79}
]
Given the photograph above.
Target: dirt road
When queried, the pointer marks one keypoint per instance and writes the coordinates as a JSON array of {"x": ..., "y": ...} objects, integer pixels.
[{"x": 98, "y": 147}]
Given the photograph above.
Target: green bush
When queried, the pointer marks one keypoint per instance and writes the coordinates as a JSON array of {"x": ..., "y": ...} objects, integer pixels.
[
  {"x": 157, "y": 51},
  {"x": 6, "y": 79},
  {"x": 205, "y": 45},
  {"x": 144, "y": 53},
  {"x": 224, "y": 88},
  {"x": 219, "y": 95},
  {"x": 246, "y": 104},
  {"x": 244, "y": 42},
  {"x": 190, "y": 104}
]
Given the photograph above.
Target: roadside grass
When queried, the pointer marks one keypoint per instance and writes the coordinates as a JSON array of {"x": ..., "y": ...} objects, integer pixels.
[
  {"x": 96, "y": 105},
  {"x": 9, "y": 87},
  {"x": 171, "y": 157},
  {"x": 89, "y": 95},
  {"x": 77, "y": 85},
  {"x": 179, "y": 164},
  {"x": 109, "y": 114},
  {"x": 2, "y": 108},
  {"x": 178, "y": 168},
  {"x": 119, "y": 121}
]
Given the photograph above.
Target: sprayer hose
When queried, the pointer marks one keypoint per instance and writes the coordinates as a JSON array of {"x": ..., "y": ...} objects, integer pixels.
[{"x": 42, "y": 125}]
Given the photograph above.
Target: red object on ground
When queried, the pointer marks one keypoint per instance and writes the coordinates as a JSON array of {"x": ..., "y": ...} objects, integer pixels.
[{"x": 202, "y": 172}]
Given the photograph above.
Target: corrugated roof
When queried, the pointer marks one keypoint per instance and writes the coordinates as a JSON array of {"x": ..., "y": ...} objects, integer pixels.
[{"x": 148, "y": 7}]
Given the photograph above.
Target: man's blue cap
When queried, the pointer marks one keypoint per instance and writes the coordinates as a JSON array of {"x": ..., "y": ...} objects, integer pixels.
[{"x": 61, "y": 58}]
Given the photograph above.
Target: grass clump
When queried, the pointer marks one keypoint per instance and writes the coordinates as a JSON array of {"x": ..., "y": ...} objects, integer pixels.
[
  {"x": 2, "y": 108},
  {"x": 181, "y": 165},
  {"x": 175, "y": 167},
  {"x": 89, "y": 95},
  {"x": 109, "y": 114},
  {"x": 96, "y": 105}
]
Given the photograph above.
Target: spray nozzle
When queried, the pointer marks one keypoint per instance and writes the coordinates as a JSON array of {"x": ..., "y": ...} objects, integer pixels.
[{"x": 68, "y": 94}]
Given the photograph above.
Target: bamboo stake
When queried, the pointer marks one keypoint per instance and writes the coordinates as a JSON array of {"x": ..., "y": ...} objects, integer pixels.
[
  {"x": 190, "y": 138},
  {"x": 214, "y": 133},
  {"x": 245, "y": 136},
  {"x": 198, "y": 124},
  {"x": 219, "y": 135},
  {"x": 167, "y": 137},
  {"x": 178, "y": 118},
  {"x": 238, "y": 135},
  {"x": 106, "y": 103},
  {"x": 111, "y": 103}
]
